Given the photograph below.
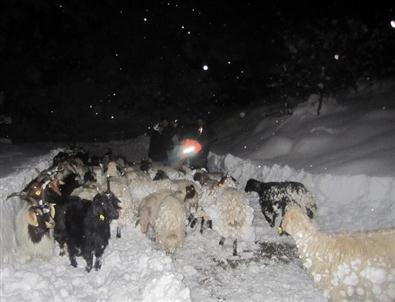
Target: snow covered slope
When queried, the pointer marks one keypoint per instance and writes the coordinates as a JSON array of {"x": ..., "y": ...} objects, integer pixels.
[{"x": 354, "y": 134}]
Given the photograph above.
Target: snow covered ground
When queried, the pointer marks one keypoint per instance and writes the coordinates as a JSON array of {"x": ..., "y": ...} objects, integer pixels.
[{"x": 346, "y": 157}]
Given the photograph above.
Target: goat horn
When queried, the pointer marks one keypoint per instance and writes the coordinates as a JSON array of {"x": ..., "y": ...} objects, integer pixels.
[{"x": 14, "y": 194}]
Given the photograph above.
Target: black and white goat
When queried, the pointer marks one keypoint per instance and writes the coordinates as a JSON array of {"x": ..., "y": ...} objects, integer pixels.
[
  {"x": 275, "y": 197},
  {"x": 34, "y": 231},
  {"x": 87, "y": 227}
]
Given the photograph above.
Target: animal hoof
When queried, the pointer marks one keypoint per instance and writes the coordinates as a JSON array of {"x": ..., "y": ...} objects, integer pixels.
[
  {"x": 210, "y": 224},
  {"x": 97, "y": 265},
  {"x": 88, "y": 268}
]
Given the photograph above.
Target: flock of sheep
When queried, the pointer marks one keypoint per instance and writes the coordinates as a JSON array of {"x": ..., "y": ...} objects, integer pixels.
[{"x": 80, "y": 200}]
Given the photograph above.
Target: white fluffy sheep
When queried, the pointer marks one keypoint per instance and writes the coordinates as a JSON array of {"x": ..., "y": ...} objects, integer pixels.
[
  {"x": 86, "y": 192},
  {"x": 230, "y": 214},
  {"x": 164, "y": 212},
  {"x": 34, "y": 232},
  {"x": 141, "y": 185},
  {"x": 172, "y": 173},
  {"x": 119, "y": 186},
  {"x": 346, "y": 266},
  {"x": 170, "y": 223},
  {"x": 148, "y": 209}
]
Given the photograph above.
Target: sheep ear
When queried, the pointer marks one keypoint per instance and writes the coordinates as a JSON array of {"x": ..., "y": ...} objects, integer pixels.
[{"x": 32, "y": 218}]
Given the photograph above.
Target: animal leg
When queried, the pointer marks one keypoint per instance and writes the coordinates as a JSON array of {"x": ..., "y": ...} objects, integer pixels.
[
  {"x": 190, "y": 218},
  {"x": 118, "y": 232},
  {"x": 89, "y": 261},
  {"x": 72, "y": 255},
  {"x": 62, "y": 252},
  {"x": 222, "y": 241},
  {"x": 210, "y": 224},
  {"x": 98, "y": 261},
  {"x": 201, "y": 225},
  {"x": 235, "y": 247},
  {"x": 268, "y": 218},
  {"x": 274, "y": 220},
  {"x": 193, "y": 223}
]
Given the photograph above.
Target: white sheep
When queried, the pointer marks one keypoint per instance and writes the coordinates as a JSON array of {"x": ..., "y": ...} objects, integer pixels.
[
  {"x": 230, "y": 214},
  {"x": 34, "y": 232},
  {"x": 170, "y": 223},
  {"x": 86, "y": 192},
  {"x": 118, "y": 184},
  {"x": 346, "y": 266},
  {"x": 141, "y": 184},
  {"x": 172, "y": 173},
  {"x": 163, "y": 213},
  {"x": 148, "y": 209}
]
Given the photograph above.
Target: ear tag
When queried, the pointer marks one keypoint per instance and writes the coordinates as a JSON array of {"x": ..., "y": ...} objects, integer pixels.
[
  {"x": 101, "y": 217},
  {"x": 280, "y": 230},
  {"x": 38, "y": 192}
]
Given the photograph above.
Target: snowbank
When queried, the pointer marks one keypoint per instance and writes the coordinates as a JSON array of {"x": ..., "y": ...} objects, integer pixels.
[{"x": 345, "y": 203}]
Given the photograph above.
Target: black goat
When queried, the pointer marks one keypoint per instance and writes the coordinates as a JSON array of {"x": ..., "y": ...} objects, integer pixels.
[
  {"x": 274, "y": 197},
  {"x": 86, "y": 227}
]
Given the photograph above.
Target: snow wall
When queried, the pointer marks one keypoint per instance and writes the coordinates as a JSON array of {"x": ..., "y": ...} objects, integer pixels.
[{"x": 345, "y": 203}]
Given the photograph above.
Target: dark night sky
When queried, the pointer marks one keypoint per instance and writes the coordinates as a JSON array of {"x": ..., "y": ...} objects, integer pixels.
[{"x": 140, "y": 58}]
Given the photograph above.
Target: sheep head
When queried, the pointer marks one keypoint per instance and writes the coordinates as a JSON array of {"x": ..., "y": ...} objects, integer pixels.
[
  {"x": 190, "y": 192},
  {"x": 160, "y": 174},
  {"x": 145, "y": 165},
  {"x": 296, "y": 222},
  {"x": 252, "y": 185},
  {"x": 201, "y": 177}
]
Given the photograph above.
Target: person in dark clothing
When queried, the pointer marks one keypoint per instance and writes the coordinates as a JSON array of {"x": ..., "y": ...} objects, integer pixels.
[{"x": 161, "y": 141}]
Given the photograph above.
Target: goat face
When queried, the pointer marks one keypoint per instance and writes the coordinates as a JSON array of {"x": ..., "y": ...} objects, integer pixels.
[
  {"x": 106, "y": 205},
  {"x": 40, "y": 220}
]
